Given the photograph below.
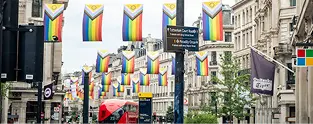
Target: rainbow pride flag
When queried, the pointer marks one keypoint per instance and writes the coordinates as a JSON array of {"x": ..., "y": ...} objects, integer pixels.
[
  {"x": 83, "y": 77},
  {"x": 202, "y": 63},
  {"x": 105, "y": 88},
  {"x": 125, "y": 79},
  {"x": 106, "y": 78},
  {"x": 116, "y": 93},
  {"x": 91, "y": 90},
  {"x": 128, "y": 61},
  {"x": 153, "y": 62},
  {"x": 212, "y": 18},
  {"x": 173, "y": 65},
  {"x": 162, "y": 77},
  {"x": 74, "y": 80},
  {"x": 136, "y": 85},
  {"x": 53, "y": 19},
  {"x": 120, "y": 87},
  {"x": 144, "y": 77},
  {"x": 169, "y": 16},
  {"x": 132, "y": 22},
  {"x": 102, "y": 63},
  {"x": 92, "y": 22}
]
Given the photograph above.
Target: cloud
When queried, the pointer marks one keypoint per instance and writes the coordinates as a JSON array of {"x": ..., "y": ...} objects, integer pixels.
[{"x": 77, "y": 53}]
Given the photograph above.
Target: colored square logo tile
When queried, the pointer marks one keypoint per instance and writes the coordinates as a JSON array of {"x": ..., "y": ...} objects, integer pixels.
[
  {"x": 309, "y": 53},
  {"x": 301, "y": 53},
  {"x": 301, "y": 61},
  {"x": 309, "y": 61}
]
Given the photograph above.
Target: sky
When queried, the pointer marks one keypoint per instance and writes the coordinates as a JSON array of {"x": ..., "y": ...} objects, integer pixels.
[{"x": 77, "y": 53}]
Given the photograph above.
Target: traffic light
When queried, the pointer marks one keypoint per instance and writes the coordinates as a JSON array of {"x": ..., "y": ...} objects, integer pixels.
[
  {"x": 9, "y": 45},
  {"x": 31, "y": 49}
]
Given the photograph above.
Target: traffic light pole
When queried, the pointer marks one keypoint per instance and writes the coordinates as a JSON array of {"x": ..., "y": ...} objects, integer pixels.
[
  {"x": 86, "y": 98},
  {"x": 179, "y": 75}
]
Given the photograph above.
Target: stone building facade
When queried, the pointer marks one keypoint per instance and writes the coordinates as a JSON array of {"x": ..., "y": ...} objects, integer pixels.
[
  {"x": 267, "y": 25},
  {"x": 22, "y": 102}
]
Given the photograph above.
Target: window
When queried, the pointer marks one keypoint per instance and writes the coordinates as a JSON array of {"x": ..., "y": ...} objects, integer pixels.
[
  {"x": 213, "y": 56},
  {"x": 213, "y": 74},
  {"x": 290, "y": 76},
  {"x": 128, "y": 92},
  {"x": 37, "y": 8},
  {"x": 228, "y": 55},
  {"x": 291, "y": 27},
  {"x": 293, "y": 2},
  {"x": 227, "y": 36}
]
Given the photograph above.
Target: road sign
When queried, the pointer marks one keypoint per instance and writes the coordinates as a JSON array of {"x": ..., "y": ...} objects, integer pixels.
[
  {"x": 42, "y": 115},
  {"x": 179, "y": 38},
  {"x": 185, "y": 101},
  {"x": 145, "y": 108},
  {"x": 56, "y": 109}
]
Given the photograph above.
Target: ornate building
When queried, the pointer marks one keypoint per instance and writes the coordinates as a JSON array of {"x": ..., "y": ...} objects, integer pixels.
[
  {"x": 267, "y": 25},
  {"x": 22, "y": 102}
]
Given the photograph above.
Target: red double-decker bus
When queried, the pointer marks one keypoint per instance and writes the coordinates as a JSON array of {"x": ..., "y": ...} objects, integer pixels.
[{"x": 118, "y": 111}]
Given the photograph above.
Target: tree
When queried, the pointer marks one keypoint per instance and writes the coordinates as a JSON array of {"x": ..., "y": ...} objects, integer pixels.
[
  {"x": 196, "y": 117},
  {"x": 94, "y": 118},
  {"x": 235, "y": 91},
  {"x": 170, "y": 114},
  {"x": 4, "y": 87}
]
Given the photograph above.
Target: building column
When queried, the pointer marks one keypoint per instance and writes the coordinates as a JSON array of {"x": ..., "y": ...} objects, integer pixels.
[
  {"x": 283, "y": 112},
  {"x": 297, "y": 95},
  {"x": 22, "y": 112},
  {"x": 5, "y": 108},
  {"x": 48, "y": 112},
  {"x": 310, "y": 94},
  {"x": 303, "y": 96}
]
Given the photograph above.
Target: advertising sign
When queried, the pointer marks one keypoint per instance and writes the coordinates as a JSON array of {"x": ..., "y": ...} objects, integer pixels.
[
  {"x": 145, "y": 108},
  {"x": 180, "y": 38}
]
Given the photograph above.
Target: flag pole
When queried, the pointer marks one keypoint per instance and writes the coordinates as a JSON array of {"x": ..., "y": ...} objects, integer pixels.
[{"x": 271, "y": 58}]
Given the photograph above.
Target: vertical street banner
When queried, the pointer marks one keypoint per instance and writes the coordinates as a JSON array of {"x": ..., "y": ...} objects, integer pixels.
[
  {"x": 153, "y": 62},
  {"x": 53, "y": 19},
  {"x": 262, "y": 74},
  {"x": 212, "y": 18},
  {"x": 117, "y": 89},
  {"x": 120, "y": 88},
  {"x": 74, "y": 91},
  {"x": 106, "y": 78},
  {"x": 173, "y": 65},
  {"x": 48, "y": 91},
  {"x": 132, "y": 22},
  {"x": 105, "y": 88},
  {"x": 74, "y": 80},
  {"x": 92, "y": 22},
  {"x": 144, "y": 77},
  {"x": 202, "y": 63},
  {"x": 135, "y": 85},
  {"x": 128, "y": 62},
  {"x": 91, "y": 90},
  {"x": 102, "y": 62},
  {"x": 125, "y": 79},
  {"x": 169, "y": 16},
  {"x": 162, "y": 77}
]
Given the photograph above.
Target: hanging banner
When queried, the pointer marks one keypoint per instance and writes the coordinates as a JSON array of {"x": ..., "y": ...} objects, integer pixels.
[
  {"x": 163, "y": 77},
  {"x": 262, "y": 74},
  {"x": 73, "y": 91},
  {"x": 120, "y": 87},
  {"x": 74, "y": 80},
  {"x": 125, "y": 79},
  {"x": 91, "y": 89},
  {"x": 135, "y": 85},
  {"x": 153, "y": 62},
  {"x": 105, "y": 88},
  {"x": 173, "y": 65},
  {"x": 117, "y": 89},
  {"x": 132, "y": 22},
  {"x": 102, "y": 63},
  {"x": 106, "y": 78},
  {"x": 92, "y": 22},
  {"x": 116, "y": 93},
  {"x": 212, "y": 18},
  {"x": 169, "y": 16},
  {"x": 144, "y": 77},
  {"x": 48, "y": 92},
  {"x": 128, "y": 61},
  {"x": 53, "y": 19},
  {"x": 202, "y": 63}
]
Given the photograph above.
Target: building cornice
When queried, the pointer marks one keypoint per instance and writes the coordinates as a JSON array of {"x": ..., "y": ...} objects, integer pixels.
[{"x": 239, "y": 4}]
